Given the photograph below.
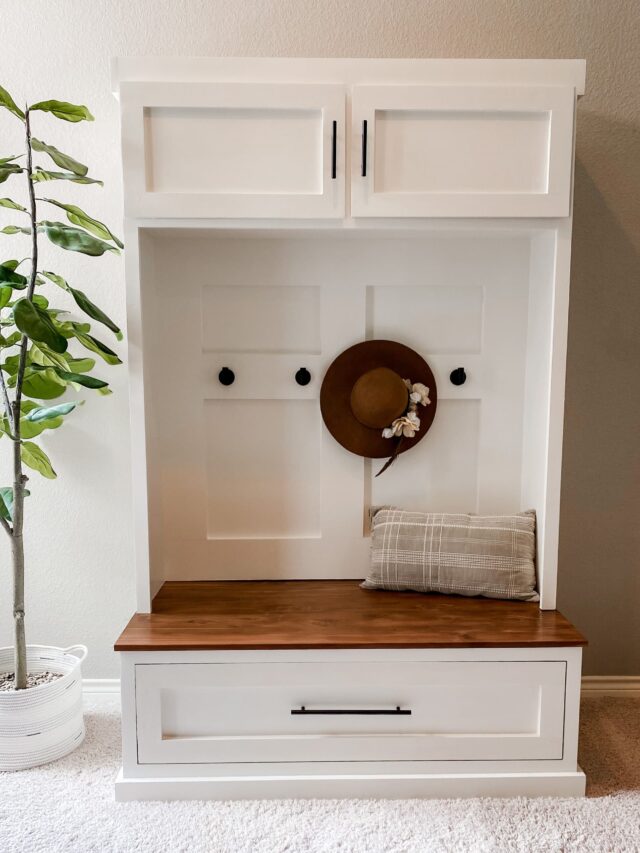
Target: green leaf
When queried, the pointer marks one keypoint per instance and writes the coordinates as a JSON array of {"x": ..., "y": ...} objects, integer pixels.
[
  {"x": 37, "y": 325},
  {"x": 12, "y": 339},
  {"x": 75, "y": 239},
  {"x": 8, "y": 103},
  {"x": 85, "y": 304},
  {"x": 36, "y": 458},
  {"x": 41, "y": 354},
  {"x": 14, "y": 229},
  {"x": 12, "y": 205},
  {"x": 10, "y": 364},
  {"x": 6, "y": 501},
  {"x": 29, "y": 430},
  {"x": 96, "y": 346},
  {"x": 9, "y": 169},
  {"x": 12, "y": 265},
  {"x": 45, "y": 385},
  {"x": 9, "y": 276},
  {"x": 5, "y": 295},
  {"x": 40, "y": 175},
  {"x": 60, "y": 159},
  {"x": 40, "y": 301},
  {"x": 81, "y": 379},
  {"x": 77, "y": 216},
  {"x": 70, "y": 330},
  {"x": 4, "y": 160},
  {"x": 46, "y": 414},
  {"x": 63, "y": 110},
  {"x": 56, "y": 279},
  {"x": 81, "y": 365}
]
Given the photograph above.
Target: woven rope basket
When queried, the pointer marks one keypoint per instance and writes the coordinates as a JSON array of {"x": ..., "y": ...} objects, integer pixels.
[{"x": 42, "y": 723}]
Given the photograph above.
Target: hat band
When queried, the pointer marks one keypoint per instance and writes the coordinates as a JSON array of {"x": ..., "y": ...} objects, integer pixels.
[{"x": 407, "y": 424}]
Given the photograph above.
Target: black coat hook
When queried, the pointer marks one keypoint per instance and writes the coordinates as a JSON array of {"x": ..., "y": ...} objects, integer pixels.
[
  {"x": 303, "y": 377},
  {"x": 458, "y": 376},
  {"x": 226, "y": 376}
]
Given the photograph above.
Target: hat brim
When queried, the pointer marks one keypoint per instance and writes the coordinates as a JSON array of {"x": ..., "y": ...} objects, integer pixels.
[{"x": 335, "y": 396}]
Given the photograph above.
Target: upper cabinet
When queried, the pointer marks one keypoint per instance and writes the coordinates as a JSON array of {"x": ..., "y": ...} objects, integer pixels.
[
  {"x": 250, "y": 150},
  {"x": 229, "y": 150},
  {"x": 456, "y": 151}
]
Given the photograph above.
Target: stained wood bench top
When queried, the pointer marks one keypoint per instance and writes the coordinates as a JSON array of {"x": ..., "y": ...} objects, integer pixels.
[{"x": 330, "y": 614}]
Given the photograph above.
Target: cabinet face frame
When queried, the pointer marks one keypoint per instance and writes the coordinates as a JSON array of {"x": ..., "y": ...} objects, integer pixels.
[
  {"x": 138, "y": 100},
  {"x": 555, "y": 201}
]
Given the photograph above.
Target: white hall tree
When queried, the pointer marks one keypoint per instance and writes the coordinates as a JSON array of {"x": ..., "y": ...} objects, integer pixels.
[{"x": 48, "y": 350}]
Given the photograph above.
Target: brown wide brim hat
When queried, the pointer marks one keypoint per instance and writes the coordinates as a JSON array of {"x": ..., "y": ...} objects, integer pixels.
[{"x": 362, "y": 392}]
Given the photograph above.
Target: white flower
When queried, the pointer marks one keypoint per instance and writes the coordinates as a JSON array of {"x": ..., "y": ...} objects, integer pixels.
[
  {"x": 419, "y": 393},
  {"x": 407, "y": 426}
]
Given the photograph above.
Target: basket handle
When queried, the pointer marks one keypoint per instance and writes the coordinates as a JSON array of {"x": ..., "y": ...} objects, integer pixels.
[{"x": 78, "y": 651}]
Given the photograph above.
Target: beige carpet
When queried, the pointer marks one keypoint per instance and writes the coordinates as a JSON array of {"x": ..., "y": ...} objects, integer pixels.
[{"x": 68, "y": 807}]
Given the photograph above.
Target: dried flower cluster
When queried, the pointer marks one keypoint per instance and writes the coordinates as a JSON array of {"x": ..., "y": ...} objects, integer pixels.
[{"x": 407, "y": 425}]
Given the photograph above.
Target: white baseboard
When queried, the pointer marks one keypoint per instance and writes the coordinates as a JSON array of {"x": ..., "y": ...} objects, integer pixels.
[
  {"x": 592, "y": 685},
  {"x": 101, "y": 685},
  {"x": 611, "y": 685}
]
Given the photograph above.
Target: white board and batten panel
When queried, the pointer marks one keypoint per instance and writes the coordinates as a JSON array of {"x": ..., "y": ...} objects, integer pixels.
[
  {"x": 364, "y": 711},
  {"x": 462, "y": 151},
  {"x": 251, "y": 483},
  {"x": 226, "y": 150}
]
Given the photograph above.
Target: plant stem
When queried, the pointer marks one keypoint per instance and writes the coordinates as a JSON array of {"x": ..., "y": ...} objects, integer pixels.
[{"x": 19, "y": 478}]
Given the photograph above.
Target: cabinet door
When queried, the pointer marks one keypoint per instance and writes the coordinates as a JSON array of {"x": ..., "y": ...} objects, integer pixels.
[
  {"x": 462, "y": 151},
  {"x": 233, "y": 150}
]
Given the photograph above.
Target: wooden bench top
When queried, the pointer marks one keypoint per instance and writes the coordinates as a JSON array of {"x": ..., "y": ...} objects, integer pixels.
[{"x": 330, "y": 614}]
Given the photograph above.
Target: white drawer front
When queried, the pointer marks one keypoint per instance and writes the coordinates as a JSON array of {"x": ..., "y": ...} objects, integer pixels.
[{"x": 241, "y": 712}]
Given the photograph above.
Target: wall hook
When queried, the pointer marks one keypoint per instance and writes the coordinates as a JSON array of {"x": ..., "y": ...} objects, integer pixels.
[
  {"x": 458, "y": 376},
  {"x": 303, "y": 377},
  {"x": 226, "y": 376}
]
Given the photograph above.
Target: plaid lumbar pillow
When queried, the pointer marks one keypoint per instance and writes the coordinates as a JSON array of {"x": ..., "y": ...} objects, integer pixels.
[{"x": 490, "y": 555}]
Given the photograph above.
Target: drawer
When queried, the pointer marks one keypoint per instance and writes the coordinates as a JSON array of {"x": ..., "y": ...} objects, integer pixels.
[{"x": 349, "y": 711}]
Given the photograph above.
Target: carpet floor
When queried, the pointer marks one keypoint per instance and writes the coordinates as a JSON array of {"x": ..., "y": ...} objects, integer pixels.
[{"x": 68, "y": 807}]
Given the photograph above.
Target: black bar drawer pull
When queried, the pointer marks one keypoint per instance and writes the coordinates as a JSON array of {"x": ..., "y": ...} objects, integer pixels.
[
  {"x": 395, "y": 712},
  {"x": 364, "y": 148},
  {"x": 334, "y": 149}
]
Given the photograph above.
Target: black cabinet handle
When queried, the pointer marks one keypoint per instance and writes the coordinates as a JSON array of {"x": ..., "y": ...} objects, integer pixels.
[
  {"x": 395, "y": 712},
  {"x": 364, "y": 149},
  {"x": 334, "y": 149}
]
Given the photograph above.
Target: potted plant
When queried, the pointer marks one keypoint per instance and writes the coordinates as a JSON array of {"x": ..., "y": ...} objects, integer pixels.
[{"x": 40, "y": 686}]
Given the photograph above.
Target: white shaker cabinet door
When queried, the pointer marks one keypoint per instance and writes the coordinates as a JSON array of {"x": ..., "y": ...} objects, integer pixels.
[
  {"x": 233, "y": 150},
  {"x": 462, "y": 151}
]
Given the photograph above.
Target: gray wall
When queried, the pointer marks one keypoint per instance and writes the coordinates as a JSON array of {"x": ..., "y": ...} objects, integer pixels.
[{"x": 80, "y": 553}]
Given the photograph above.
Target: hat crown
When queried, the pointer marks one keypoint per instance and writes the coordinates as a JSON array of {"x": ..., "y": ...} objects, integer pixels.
[{"x": 378, "y": 397}]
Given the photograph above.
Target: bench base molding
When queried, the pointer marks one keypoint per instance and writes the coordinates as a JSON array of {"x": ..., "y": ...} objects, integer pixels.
[{"x": 425, "y": 786}]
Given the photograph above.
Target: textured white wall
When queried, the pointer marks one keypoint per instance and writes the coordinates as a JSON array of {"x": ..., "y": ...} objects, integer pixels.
[{"x": 80, "y": 585}]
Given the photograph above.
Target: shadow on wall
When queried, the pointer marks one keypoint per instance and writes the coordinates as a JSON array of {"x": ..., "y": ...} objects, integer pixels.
[{"x": 599, "y": 585}]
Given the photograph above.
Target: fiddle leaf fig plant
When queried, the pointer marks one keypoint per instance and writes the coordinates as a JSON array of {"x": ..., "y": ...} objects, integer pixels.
[{"x": 43, "y": 348}]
